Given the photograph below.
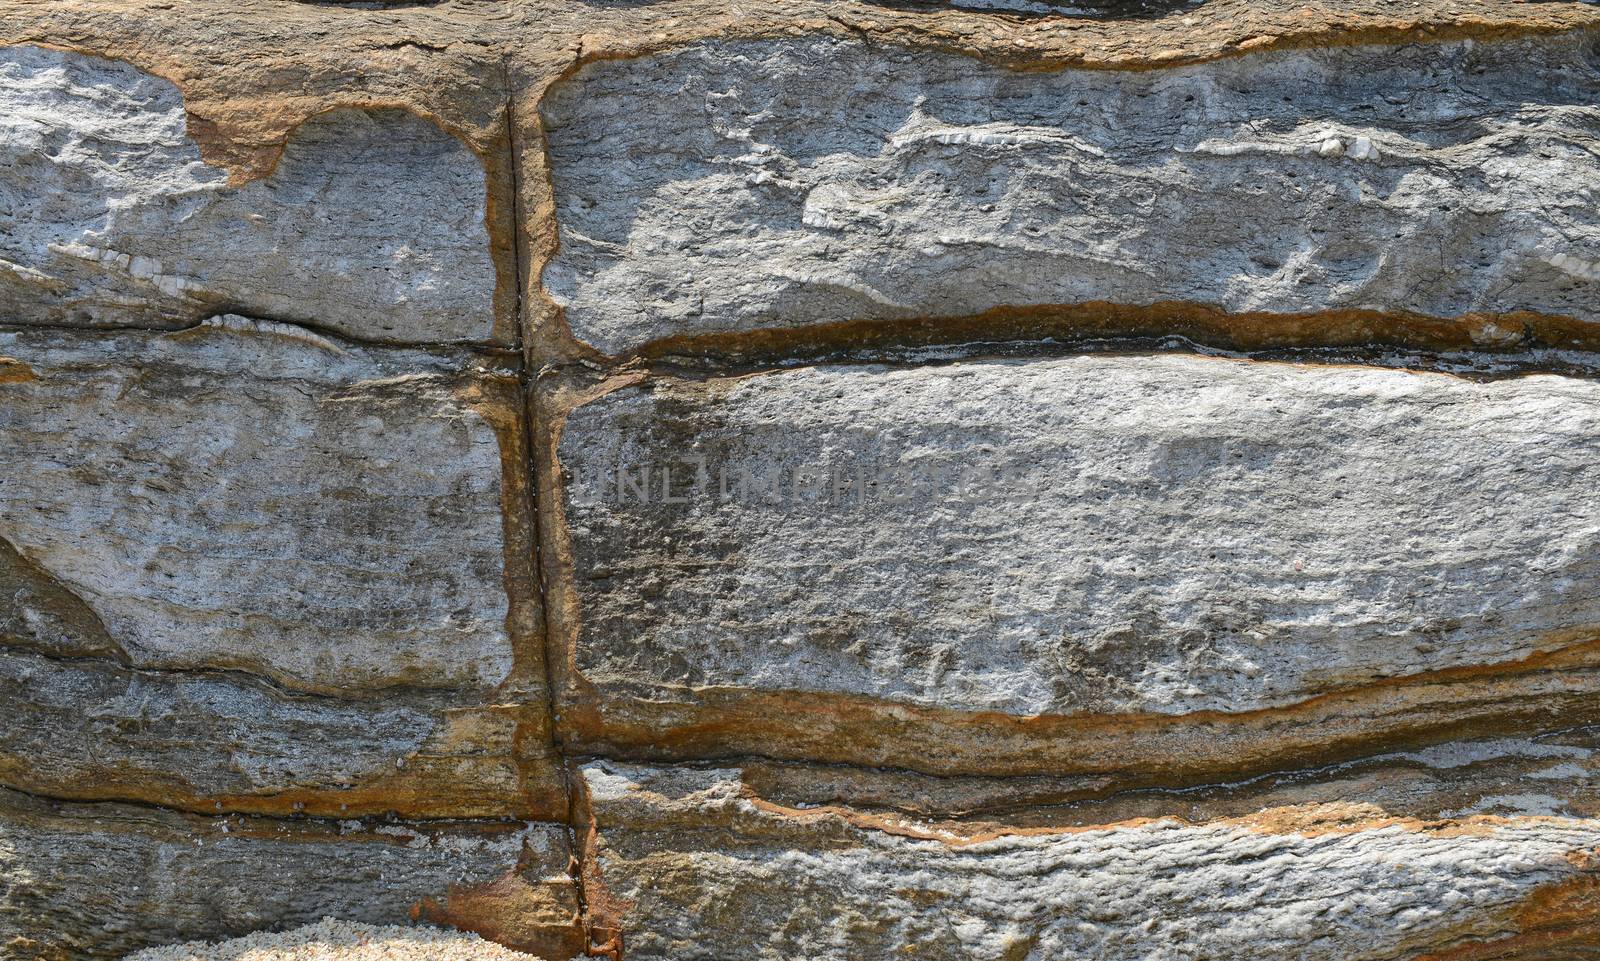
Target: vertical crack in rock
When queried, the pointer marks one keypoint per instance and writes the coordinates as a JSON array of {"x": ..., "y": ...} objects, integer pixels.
[
  {"x": 731, "y": 186},
  {"x": 272, "y": 572},
  {"x": 247, "y": 498}
]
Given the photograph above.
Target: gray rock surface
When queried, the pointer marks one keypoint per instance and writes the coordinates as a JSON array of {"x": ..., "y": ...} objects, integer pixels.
[
  {"x": 735, "y": 185},
  {"x": 96, "y": 730},
  {"x": 372, "y": 225},
  {"x": 711, "y": 873},
  {"x": 1156, "y": 535},
  {"x": 103, "y": 880},
  {"x": 254, "y": 498}
]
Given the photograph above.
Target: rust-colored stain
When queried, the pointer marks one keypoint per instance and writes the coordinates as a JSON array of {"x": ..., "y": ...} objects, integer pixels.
[
  {"x": 15, "y": 372},
  {"x": 538, "y": 916}
]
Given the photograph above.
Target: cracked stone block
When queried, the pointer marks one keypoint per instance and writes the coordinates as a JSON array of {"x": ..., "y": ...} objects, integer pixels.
[
  {"x": 693, "y": 864},
  {"x": 1114, "y": 563},
  {"x": 733, "y": 185},
  {"x": 92, "y": 729},
  {"x": 372, "y": 225},
  {"x": 103, "y": 880},
  {"x": 249, "y": 564}
]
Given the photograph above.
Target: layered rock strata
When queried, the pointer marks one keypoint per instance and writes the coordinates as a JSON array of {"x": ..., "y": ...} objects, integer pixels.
[
  {"x": 824, "y": 480},
  {"x": 727, "y": 187},
  {"x": 1087, "y": 564},
  {"x": 702, "y": 867},
  {"x": 102, "y": 880}
]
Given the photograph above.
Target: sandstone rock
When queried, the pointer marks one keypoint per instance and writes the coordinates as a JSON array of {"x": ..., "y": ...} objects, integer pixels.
[
  {"x": 102, "y": 880},
  {"x": 373, "y": 224},
  {"x": 733, "y": 185},
  {"x": 696, "y": 867},
  {"x": 272, "y": 645},
  {"x": 97, "y": 730},
  {"x": 298, "y": 570},
  {"x": 1530, "y": 773},
  {"x": 252, "y": 498},
  {"x": 924, "y": 566}
]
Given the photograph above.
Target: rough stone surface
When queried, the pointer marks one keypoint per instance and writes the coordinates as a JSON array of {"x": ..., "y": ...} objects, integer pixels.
[
  {"x": 253, "y": 498},
  {"x": 1530, "y": 773},
  {"x": 103, "y": 880},
  {"x": 252, "y": 566},
  {"x": 373, "y": 224},
  {"x": 733, "y": 186},
  {"x": 711, "y": 872},
  {"x": 1146, "y": 535},
  {"x": 272, "y": 635},
  {"x": 95, "y": 730}
]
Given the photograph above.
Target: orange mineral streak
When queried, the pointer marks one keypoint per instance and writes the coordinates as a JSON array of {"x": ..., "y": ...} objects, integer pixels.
[
  {"x": 538, "y": 916},
  {"x": 252, "y": 71},
  {"x": 15, "y": 372},
  {"x": 1558, "y": 922},
  {"x": 1343, "y": 723},
  {"x": 1306, "y": 820}
]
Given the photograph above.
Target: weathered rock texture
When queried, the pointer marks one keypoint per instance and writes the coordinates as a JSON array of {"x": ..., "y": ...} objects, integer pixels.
[
  {"x": 305, "y": 556},
  {"x": 732, "y": 186},
  {"x": 102, "y": 880},
  {"x": 373, "y": 224},
  {"x": 262, "y": 499},
  {"x": 1139, "y": 537},
  {"x": 344, "y": 940},
  {"x": 343, "y": 348},
  {"x": 720, "y": 874}
]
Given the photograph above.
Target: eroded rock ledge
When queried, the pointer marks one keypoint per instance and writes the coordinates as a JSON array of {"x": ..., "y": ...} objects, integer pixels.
[
  {"x": 706, "y": 869},
  {"x": 104, "y": 880}
]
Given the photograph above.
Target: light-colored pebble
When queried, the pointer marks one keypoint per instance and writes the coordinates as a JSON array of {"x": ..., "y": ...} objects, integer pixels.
[{"x": 1362, "y": 149}]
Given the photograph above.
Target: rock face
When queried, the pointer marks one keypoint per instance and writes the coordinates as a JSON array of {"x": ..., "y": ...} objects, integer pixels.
[
  {"x": 1148, "y": 536},
  {"x": 812, "y": 480},
  {"x": 731, "y": 186},
  {"x": 251, "y": 532},
  {"x": 373, "y": 224},
  {"x": 140, "y": 877},
  {"x": 719, "y": 875},
  {"x": 194, "y": 489}
]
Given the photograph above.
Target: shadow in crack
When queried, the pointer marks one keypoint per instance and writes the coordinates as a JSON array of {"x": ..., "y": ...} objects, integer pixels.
[
  {"x": 1023, "y": 9},
  {"x": 1086, "y": 9}
]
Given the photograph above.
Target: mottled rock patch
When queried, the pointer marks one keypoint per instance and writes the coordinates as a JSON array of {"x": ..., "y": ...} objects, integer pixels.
[
  {"x": 372, "y": 224},
  {"x": 731, "y": 186}
]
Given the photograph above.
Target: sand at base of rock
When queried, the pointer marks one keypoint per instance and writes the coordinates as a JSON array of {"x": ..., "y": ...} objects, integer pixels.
[{"x": 335, "y": 940}]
